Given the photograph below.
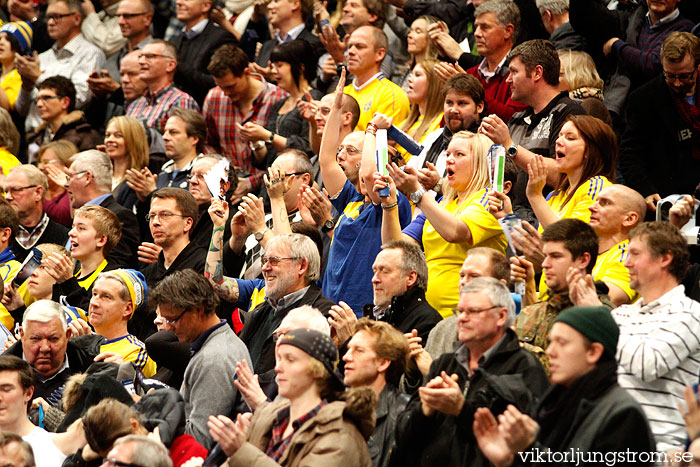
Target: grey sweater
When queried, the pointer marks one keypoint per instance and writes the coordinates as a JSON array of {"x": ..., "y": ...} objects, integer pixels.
[{"x": 208, "y": 384}]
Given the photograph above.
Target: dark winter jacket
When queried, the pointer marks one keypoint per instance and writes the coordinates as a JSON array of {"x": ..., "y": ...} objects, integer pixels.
[{"x": 510, "y": 375}]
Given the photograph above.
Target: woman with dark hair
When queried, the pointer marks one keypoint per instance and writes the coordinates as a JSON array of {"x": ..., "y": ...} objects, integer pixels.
[
  {"x": 586, "y": 157},
  {"x": 314, "y": 422},
  {"x": 294, "y": 68}
]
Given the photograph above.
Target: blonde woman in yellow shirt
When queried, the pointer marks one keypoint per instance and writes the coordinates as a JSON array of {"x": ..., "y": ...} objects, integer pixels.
[{"x": 446, "y": 228}]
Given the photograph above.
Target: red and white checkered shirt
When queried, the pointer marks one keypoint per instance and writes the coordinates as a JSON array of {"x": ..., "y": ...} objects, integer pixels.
[
  {"x": 155, "y": 108},
  {"x": 222, "y": 115}
]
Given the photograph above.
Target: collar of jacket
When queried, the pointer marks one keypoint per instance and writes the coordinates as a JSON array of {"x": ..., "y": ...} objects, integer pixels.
[
  {"x": 399, "y": 304},
  {"x": 67, "y": 119}
]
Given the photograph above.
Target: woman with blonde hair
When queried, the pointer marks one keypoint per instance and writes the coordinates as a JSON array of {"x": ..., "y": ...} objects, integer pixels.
[
  {"x": 54, "y": 158},
  {"x": 578, "y": 75},
  {"x": 127, "y": 147},
  {"x": 447, "y": 228},
  {"x": 426, "y": 94},
  {"x": 419, "y": 47}
]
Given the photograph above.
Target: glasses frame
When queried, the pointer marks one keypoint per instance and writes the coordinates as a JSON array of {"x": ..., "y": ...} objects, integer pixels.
[
  {"x": 149, "y": 56},
  {"x": 457, "y": 311},
  {"x": 275, "y": 260},
  {"x": 16, "y": 190},
  {"x": 59, "y": 16},
  {"x": 131, "y": 15},
  {"x": 161, "y": 215},
  {"x": 682, "y": 77},
  {"x": 70, "y": 177},
  {"x": 174, "y": 321}
]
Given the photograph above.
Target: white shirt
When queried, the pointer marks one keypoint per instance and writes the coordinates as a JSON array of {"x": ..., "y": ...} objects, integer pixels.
[
  {"x": 46, "y": 454},
  {"x": 658, "y": 355}
]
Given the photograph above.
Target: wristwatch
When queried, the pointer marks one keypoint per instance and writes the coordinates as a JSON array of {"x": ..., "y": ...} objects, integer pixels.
[
  {"x": 512, "y": 151},
  {"x": 417, "y": 196},
  {"x": 260, "y": 234},
  {"x": 328, "y": 226},
  {"x": 272, "y": 137}
]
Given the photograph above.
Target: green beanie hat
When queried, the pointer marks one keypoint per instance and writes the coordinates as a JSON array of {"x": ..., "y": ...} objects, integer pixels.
[{"x": 594, "y": 322}]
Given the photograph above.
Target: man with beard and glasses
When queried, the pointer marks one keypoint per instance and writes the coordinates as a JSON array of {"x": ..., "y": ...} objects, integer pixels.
[{"x": 661, "y": 156}]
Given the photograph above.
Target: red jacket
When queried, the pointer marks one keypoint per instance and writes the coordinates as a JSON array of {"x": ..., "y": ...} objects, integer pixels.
[
  {"x": 184, "y": 448},
  {"x": 497, "y": 93}
]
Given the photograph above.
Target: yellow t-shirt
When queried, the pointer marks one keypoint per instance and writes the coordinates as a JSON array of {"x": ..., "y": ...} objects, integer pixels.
[
  {"x": 577, "y": 208},
  {"x": 434, "y": 125},
  {"x": 11, "y": 84},
  {"x": 610, "y": 268},
  {"x": 7, "y": 161},
  {"x": 584, "y": 197},
  {"x": 379, "y": 95},
  {"x": 132, "y": 350},
  {"x": 8, "y": 271},
  {"x": 445, "y": 259}
]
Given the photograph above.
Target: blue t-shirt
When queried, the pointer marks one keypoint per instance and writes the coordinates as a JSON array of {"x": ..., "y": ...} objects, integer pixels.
[{"x": 357, "y": 240}]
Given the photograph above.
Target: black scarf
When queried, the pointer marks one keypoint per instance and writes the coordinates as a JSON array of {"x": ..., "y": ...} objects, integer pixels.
[{"x": 558, "y": 407}]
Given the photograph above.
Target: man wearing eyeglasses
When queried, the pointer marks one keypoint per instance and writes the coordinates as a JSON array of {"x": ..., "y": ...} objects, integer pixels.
[
  {"x": 291, "y": 268},
  {"x": 24, "y": 189},
  {"x": 71, "y": 56},
  {"x": 187, "y": 303},
  {"x": 137, "y": 451},
  {"x": 489, "y": 369},
  {"x": 59, "y": 118},
  {"x": 158, "y": 61},
  {"x": 172, "y": 216},
  {"x": 661, "y": 156}
]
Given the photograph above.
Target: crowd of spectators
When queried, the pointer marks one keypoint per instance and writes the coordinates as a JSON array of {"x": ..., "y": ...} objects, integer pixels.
[{"x": 210, "y": 256}]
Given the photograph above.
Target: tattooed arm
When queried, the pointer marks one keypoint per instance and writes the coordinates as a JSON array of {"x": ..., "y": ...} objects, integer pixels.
[
  {"x": 225, "y": 287},
  {"x": 278, "y": 184}
]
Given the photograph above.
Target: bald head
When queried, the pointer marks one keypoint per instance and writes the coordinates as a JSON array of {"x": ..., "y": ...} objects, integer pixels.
[
  {"x": 630, "y": 199},
  {"x": 616, "y": 210}
]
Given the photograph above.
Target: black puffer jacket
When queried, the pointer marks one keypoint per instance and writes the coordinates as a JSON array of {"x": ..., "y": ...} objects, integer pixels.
[{"x": 510, "y": 375}]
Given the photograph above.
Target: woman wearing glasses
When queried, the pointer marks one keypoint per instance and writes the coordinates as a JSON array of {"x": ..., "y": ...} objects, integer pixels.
[
  {"x": 127, "y": 146},
  {"x": 447, "y": 228}
]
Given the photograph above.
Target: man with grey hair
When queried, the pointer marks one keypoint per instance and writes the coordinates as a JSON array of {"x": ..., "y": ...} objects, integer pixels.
[
  {"x": 555, "y": 17},
  {"x": 489, "y": 369},
  {"x": 139, "y": 450},
  {"x": 89, "y": 181},
  {"x": 399, "y": 283},
  {"x": 47, "y": 345},
  {"x": 25, "y": 187},
  {"x": 291, "y": 267},
  {"x": 497, "y": 23}
]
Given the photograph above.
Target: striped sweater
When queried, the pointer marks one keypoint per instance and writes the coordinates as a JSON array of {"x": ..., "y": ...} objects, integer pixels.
[{"x": 658, "y": 355}]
